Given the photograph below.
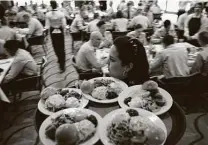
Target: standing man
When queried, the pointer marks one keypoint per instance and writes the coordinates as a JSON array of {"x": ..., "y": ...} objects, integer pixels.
[{"x": 56, "y": 23}]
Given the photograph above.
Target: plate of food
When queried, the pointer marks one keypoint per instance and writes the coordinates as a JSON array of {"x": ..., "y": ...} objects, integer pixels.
[
  {"x": 148, "y": 97},
  {"x": 132, "y": 126},
  {"x": 103, "y": 89},
  {"x": 71, "y": 126},
  {"x": 53, "y": 100}
]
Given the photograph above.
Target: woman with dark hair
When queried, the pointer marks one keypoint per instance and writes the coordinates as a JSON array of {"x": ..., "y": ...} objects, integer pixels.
[
  {"x": 128, "y": 61},
  {"x": 120, "y": 24}
]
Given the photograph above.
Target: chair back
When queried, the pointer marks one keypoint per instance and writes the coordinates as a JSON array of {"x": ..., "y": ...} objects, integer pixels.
[
  {"x": 76, "y": 36},
  {"x": 179, "y": 84},
  {"x": 118, "y": 34}
]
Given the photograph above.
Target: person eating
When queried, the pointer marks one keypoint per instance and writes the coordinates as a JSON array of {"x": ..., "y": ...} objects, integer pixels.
[
  {"x": 201, "y": 62},
  {"x": 107, "y": 39},
  {"x": 78, "y": 23},
  {"x": 23, "y": 64},
  {"x": 86, "y": 60},
  {"x": 138, "y": 34},
  {"x": 34, "y": 25},
  {"x": 173, "y": 59},
  {"x": 167, "y": 29},
  {"x": 120, "y": 24},
  {"x": 128, "y": 61}
]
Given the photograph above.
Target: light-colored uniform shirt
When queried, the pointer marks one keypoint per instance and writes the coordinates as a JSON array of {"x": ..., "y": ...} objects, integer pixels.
[
  {"x": 35, "y": 27},
  {"x": 120, "y": 24},
  {"x": 140, "y": 19},
  {"x": 121, "y": 6},
  {"x": 92, "y": 26},
  {"x": 141, "y": 37},
  {"x": 7, "y": 33},
  {"x": 173, "y": 60},
  {"x": 55, "y": 19},
  {"x": 77, "y": 24},
  {"x": 19, "y": 16},
  {"x": 86, "y": 59},
  {"x": 131, "y": 11},
  {"x": 203, "y": 27},
  {"x": 181, "y": 21},
  {"x": 162, "y": 32},
  {"x": 201, "y": 63},
  {"x": 23, "y": 64}
]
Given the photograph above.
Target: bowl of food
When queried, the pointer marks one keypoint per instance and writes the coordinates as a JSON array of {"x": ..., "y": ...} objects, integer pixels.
[
  {"x": 71, "y": 126},
  {"x": 132, "y": 126},
  {"x": 103, "y": 89},
  {"x": 53, "y": 100},
  {"x": 148, "y": 97}
]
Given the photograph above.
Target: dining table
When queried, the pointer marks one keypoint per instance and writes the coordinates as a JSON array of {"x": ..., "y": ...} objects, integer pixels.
[
  {"x": 174, "y": 120},
  {"x": 5, "y": 65}
]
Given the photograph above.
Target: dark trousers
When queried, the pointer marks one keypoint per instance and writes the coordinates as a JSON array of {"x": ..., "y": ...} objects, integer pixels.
[{"x": 59, "y": 46}]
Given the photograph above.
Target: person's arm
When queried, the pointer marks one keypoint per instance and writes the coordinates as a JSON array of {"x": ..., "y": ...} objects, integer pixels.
[
  {"x": 92, "y": 59},
  {"x": 63, "y": 21},
  {"x": 144, "y": 39},
  {"x": 186, "y": 28},
  {"x": 157, "y": 34},
  {"x": 157, "y": 62},
  {"x": 14, "y": 71},
  {"x": 197, "y": 66},
  {"x": 32, "y": 28},
  {"x": 80, "y": 24},
  {"x": 47, "y": 22},
  {"x": 132, "y": 23}
]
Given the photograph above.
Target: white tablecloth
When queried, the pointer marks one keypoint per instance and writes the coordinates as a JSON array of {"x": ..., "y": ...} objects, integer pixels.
[{"x": 5, "y": 64}]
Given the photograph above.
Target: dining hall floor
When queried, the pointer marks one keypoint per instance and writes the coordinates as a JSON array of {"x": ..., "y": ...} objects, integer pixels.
[{"x": 19, "y": 128}]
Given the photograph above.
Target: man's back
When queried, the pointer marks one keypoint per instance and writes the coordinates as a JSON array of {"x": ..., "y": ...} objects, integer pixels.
[
  {"x": 140, "y": 19},
  {"x": 7, "y": 33},
  {"x": 35, "y": 27},
  {"x": 175, "y": 61},
  {"x": 92, "y": 26}
]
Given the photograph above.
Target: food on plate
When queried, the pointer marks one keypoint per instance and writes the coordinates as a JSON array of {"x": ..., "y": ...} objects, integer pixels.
[
  {"x": 55, "y": 100},
  {"x": 125, "y": 129},
  {"x": 47, "y": 92},
  {"x": 72, "y": 103},
  {"x": 100, "y": 93},
  {"x": 149, "y": 98},
  {"x": 55, "y": 103},
  {"x": 86, "y": 87},
  {"x": 105, "y": 89},
  {"x": 67, "y": 134},
  {"x": 77, "y": 126},
  {"x": 85, "y": 129}
]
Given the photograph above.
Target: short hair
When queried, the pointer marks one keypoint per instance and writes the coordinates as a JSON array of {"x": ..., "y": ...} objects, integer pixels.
[
  {"x": 168, "y": 40},
  {"x": 135, "y": 55},
  {"x": 53, "y": 4},
  {"x": 138, "y": 26},
  {"x": 167, "y": 23},
  {"x": 100, "y": 23},
  {"x": 26, "y": 15},
  {"x": 95, "y": 34},
  {"x": 96, "y": 15},
  {"x": 12, "y": 46},
  {"x": 119, "y": 14},
  {"x": 198, "y": 5},
  {"x": 203, "y": 37}
]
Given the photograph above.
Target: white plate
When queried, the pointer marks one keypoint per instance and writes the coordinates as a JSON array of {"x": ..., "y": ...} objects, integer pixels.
[
  {"x": 108, "y": 119},
  {"x": 44, "y": 125},
  {"x": 165, "y": 94},
  {"x": 83, "y": 103},
  {"x": 122, "y": 84}
]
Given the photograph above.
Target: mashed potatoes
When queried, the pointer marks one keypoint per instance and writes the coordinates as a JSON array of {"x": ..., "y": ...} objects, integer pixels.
[
  {"x": 100, "y": 93},
  {"x": 47, "y": 92},
  {"x": 72, "y": 102},
  {"x": 55, "y": 103}
]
